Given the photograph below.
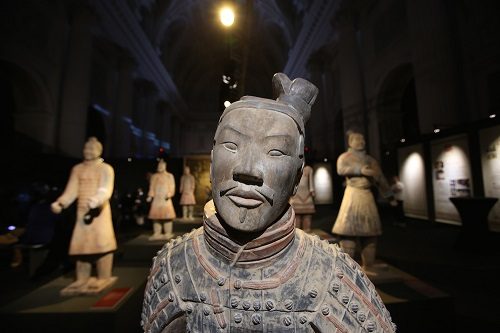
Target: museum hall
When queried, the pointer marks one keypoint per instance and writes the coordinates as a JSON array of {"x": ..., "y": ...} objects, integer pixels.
[{"x": 250, "y": 166}]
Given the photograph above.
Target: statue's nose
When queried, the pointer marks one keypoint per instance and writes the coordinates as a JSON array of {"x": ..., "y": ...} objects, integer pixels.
[{"x": 249, "y": 171}]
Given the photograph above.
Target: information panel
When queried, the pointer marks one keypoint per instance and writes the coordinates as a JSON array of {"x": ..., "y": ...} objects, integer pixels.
[
  {"x": 451, "y": 176},
  {"x": 489, "y": 139},
  {"x": 412, "y": 175}
]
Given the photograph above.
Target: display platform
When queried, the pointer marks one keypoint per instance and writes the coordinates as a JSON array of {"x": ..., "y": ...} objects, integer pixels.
[
  {"x": 140, "y": 249},
  {"x": 116, "y": 309},
  {"x": 415, "y": 306}
]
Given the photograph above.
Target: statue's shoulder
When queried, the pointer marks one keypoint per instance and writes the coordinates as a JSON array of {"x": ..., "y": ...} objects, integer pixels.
[
  {"x": 350, "y": 302},
  {"x": 164, "y": 295}
]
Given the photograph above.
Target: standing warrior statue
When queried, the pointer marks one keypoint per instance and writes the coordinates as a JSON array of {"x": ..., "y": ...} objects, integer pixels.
[
  {"x": 248, "y": 269},
  {"x": 161, "y": 191},
  {"x": 93, "y": 240},
  {"x": 303, "y": 201},
  {"x": 358, "y": 218},
  {"x": 186, "y": 189}
]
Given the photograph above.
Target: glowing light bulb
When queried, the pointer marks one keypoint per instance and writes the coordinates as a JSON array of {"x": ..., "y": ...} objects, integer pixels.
[{"x": 226, "y": 15}]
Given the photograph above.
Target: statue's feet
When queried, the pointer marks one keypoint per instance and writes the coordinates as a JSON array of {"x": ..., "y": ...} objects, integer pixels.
[
  {"x": 156, "y": 237},
  {"x": 75, "y": 288},
  {"x": 96, "y": 285},
  {"x": 168, "y": 236}
]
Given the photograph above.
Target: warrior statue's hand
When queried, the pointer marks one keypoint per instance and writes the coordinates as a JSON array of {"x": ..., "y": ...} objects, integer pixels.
[
  {"x": 149, "y": 199},
  {"x": 92, "y": 203},
  {"x": 367, "y": 171},
  {"x": 56, "y": 207}
]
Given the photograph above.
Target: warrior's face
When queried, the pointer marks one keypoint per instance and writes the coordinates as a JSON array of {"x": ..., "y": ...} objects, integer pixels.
[
  {"x": 91, "y": 151},
  {"x": 256, "y": 164},
  {"x": 357, "y": 141},
  {"x": 162, "y": 167},
  {"x": 187, "y": 171}
]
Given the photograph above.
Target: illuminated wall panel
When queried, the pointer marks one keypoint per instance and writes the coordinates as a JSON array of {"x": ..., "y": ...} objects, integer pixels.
[
  {"x": 451, "y": 176},
  {"x": 412, "y": 175},
  {"x": 489, "y": 139},
  {"x": 323, "y": 183}
]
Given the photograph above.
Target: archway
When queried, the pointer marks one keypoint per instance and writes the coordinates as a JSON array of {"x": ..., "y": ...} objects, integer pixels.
[
  {"x": 397, "y": 112},
  {"x": 25, "y": 116}
]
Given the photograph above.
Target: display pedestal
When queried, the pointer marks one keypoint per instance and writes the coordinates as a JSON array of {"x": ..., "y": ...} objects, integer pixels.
[
  {"x": 90, "y": 288},
  {"x": 114, "y": 310},
  {"x": 474, "y": 215}
]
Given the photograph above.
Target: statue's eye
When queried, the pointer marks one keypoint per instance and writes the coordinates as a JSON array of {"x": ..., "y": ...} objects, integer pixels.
[
  {"x": 276, "y": 153},
  {"x": 231, "y": 146}
]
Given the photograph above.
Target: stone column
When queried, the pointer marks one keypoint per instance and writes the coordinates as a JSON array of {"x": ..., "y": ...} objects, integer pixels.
[
  {"x": 435, "y": 64},
  {"x": 122, "y": 116},
  {"x": 351, "y": 83},
  {"x": 76, "y": 86}
]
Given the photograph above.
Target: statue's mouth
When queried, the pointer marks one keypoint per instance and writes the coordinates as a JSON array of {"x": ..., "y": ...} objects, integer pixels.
[
  {"x": 245, "y": 202},
  {"x": 245, "y": 199}
]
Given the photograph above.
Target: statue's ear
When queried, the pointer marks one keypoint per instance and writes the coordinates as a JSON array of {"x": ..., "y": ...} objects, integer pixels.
[
  {"x": 298, "y": 176},
  {"x": 211, "y": 161}
]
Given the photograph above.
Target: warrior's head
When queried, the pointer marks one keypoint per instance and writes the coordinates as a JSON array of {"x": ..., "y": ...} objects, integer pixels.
[
  {"x": 92, "y": 149},
  {"x": 187, "y": 170},
  {"x": 258, "y": 154},
  {"x": 356, "y": 140},
  {"x": 162, "y": 166}
]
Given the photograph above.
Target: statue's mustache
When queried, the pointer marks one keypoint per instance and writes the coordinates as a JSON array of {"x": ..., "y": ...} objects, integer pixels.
[{"x": 226, "y": 187}]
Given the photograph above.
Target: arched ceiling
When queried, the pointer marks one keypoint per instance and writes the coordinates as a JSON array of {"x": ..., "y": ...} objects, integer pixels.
[{"x": 196, "y": 50}]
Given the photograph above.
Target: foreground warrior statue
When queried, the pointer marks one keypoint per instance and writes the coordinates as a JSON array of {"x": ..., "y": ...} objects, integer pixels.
[
  {"x": 248, "y": 269},
  {"x": 358, "y": 218},
  {"x": 91, "y": 183},
  {"x": 161, "y": 191},
  {"x": 303, "y": 201},
  {"x": 186, "y": 189}
]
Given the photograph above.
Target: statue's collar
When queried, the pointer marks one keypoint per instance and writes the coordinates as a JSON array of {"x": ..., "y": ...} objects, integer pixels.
[{"x": 259, "y": 251}]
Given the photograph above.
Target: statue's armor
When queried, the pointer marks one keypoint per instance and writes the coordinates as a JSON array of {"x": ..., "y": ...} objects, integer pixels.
[
  {"x": 162, "y": 188},
  {"x": 91, "y": 180},
  {"x": 309, "y": 286}
]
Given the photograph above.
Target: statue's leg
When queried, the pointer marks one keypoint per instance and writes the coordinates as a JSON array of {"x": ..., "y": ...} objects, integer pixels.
[
  {"x": 83, "y": 270},
  {"x": 104, "y": 266},
  {"x": 368, "y": 251},
  {"x": 190, "y": 211},
  {"x": 156, "y": 231},
  {"x": 306, "y": 222},
  {"x": 298, "y": 221},
  {"x": 167, "y": 228},
  {"x": 349, "y": 246},
  {"x": 185, "y": 213},
  {"x": 104, "y": 279}
]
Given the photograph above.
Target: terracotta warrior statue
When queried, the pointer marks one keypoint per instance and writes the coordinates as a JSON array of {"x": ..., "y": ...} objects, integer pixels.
[
  {"x": 161, "y": 191},
  {"x": 358, "y": 220},
  {"x": 303, "y": 201},
  {"x": 248, "y": 269},
  {"x": 187, "y": 193},
  {"x": 93, "y": 240}
]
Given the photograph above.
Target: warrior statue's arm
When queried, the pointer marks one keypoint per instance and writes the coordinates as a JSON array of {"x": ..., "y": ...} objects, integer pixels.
[
  {"x": 70, "y": 193},
  {"x": 345, "y": 167},
  {"x": 105, "y": 189}
]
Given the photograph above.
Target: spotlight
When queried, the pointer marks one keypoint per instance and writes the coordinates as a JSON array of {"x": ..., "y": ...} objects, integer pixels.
[
  {"x": 492, "y": 116},
  {"x": 403, "y": 140},
  {"x": 437, "y": 130},
  {"x": 387, "y": 153},
  {"x": 227, "y": 103},
  {"x": 226, "y": 16},
  {"x": 129, "y": 159},
  {"x": 325, "y": 160},
  {"x": 11, "y": 227}
]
